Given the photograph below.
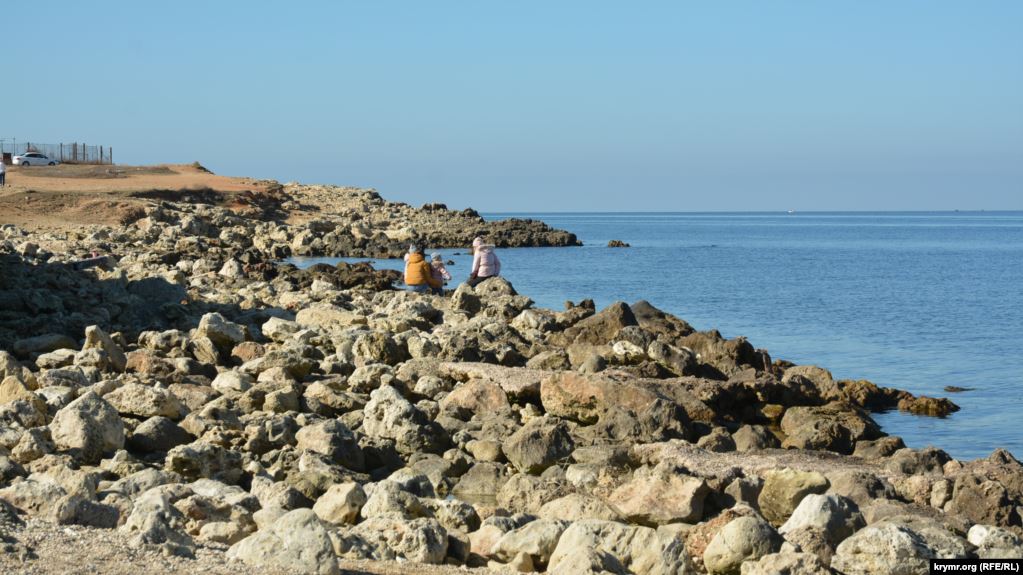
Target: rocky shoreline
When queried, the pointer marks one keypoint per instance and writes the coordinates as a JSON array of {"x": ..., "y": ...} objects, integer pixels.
[{"x": 199, "y": 398}]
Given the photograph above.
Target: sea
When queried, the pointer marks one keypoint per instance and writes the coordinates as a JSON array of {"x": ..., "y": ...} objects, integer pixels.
[{"x": 913, "y": 300}]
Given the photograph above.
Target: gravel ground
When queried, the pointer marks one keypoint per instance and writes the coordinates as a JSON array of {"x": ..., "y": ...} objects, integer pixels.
[{"x": 42, "y": 548}]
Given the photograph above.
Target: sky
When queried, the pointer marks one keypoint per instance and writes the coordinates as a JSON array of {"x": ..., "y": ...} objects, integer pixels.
[{"x": 544, "y": 106}]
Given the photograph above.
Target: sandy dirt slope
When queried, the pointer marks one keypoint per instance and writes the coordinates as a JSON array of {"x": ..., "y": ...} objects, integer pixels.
[{"x": 57, "y": 197}]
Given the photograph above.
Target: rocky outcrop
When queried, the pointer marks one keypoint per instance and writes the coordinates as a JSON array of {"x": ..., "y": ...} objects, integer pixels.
[{"x": 198, "y": 397}]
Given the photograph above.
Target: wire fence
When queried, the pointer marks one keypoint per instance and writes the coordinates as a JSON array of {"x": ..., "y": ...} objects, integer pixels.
[{"x": 74, "y": 153}]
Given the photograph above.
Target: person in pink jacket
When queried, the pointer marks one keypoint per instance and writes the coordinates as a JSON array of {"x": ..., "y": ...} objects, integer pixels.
[{"x": 485, "y": 263}]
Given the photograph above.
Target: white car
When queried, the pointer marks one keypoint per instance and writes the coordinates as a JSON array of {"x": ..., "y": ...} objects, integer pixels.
[{"x": 34, "y": 159}]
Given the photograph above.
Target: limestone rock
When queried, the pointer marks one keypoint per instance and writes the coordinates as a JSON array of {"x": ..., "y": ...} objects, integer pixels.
[
  {"x": 754, "y": 437},
  {"x": 578, "y": 506},
  {"x": 517, "y": 382},
  {"x": 389, "y": 415},
  {"x": 537, "y": 539},
  {"x": 96, "y": 338},
  {"x": 885, "y": 550},
  {"x": 835, "y": 427},
  {"x": 297, "y": 540},
  {"x": 157, "y": 434},
  {"x": 660, "y": 497},
  {"x": 88, "y": 427},
  {"x": 981, "y": 500},
  {"x": 476, "y": 396},
  {"x": 144, "y": 401},
  {"x": 600, "y": 328},
  {"x": 538, "y": 445},
  {"x": 201, "y": 459},
  {"x": 421, "y": 540},
  {"x": 232, "y": 383},
  {"x": 784, "y": 489},
  {"x": 333, "y": 439},
  {"x": 341, "y": 503},
  {"x": 718, "y": 441},
  {"x": 837, "y": 516},
  {"x": 223, "y": 333},
  {"x": 742, "y": 539},
  {"x": 154, "y": 520},
  {"x": 593, "y": 546}
]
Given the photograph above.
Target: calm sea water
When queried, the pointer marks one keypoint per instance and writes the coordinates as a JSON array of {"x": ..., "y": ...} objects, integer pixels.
[{"x": 916, "y": 301}]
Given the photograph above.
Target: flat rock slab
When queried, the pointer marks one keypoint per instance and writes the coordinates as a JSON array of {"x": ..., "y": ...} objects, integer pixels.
[{"x": 515, "y": 381}]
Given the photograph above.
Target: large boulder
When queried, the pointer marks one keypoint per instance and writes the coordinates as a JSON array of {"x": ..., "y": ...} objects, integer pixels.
[
  {"x": 96, "y": 338},
  {"x": 157, "y": 434},
  {"x": 476, "y": 396},
  {"x": 742, "y": 539},
  {"x": 334, "y": 440},
  {"x": 659, "y": 323},
  {"x": 720, "y": 357},
  {"x": 538, "y": 444},
  {"x": 983, "y": 501},
  {"x": 660, "y": 496},
  {"x": 202, "y": 459},
  {"x": 590, "y": 398},
  {"x": 537, "y": 539},
  {"x": 926, "y": 461},
  {"x": 784, "y": 489},
  {"x": 835, "y": 427},
  {"x": 884, "y": 550},
  {"x": 593, "y": 546},
  {"x": 341, "y": 503},
  {"x": 754, "y": 437},
  {"x": 422, "y": 540},
  {"x": 815, "y": 384},
  {"x": 232, "y": 383},
  {"x": 517, "y": 382},
  {"x": 154, "y": 520},
  {"x": 578, "y": 506},
  {"x": 223, "y": 333},
  {"x": 15, "y": 388},
  {"x": 379, "y": 347},
  {"x": 89, "y": 428},
  {"x": 296, "y": 541},
  {"x": 835, "y": 515},
  {"x": 144, "y": 401},
  {"x": 600, "y": 328},
  {"x": 388, "y": 415}
]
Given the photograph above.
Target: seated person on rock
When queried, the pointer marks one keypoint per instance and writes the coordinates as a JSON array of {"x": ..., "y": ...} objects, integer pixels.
[
  {"x": 484, "y": 262},
  {"x": 419, "y": 273},
  {"x": 440, "y": 273}
]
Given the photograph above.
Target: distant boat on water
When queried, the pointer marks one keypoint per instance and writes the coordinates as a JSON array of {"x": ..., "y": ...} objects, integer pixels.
[{"x": 792, "y": 211}]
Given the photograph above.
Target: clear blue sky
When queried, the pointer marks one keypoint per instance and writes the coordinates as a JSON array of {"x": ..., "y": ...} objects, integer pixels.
[{"x": 541, "y": 105}]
